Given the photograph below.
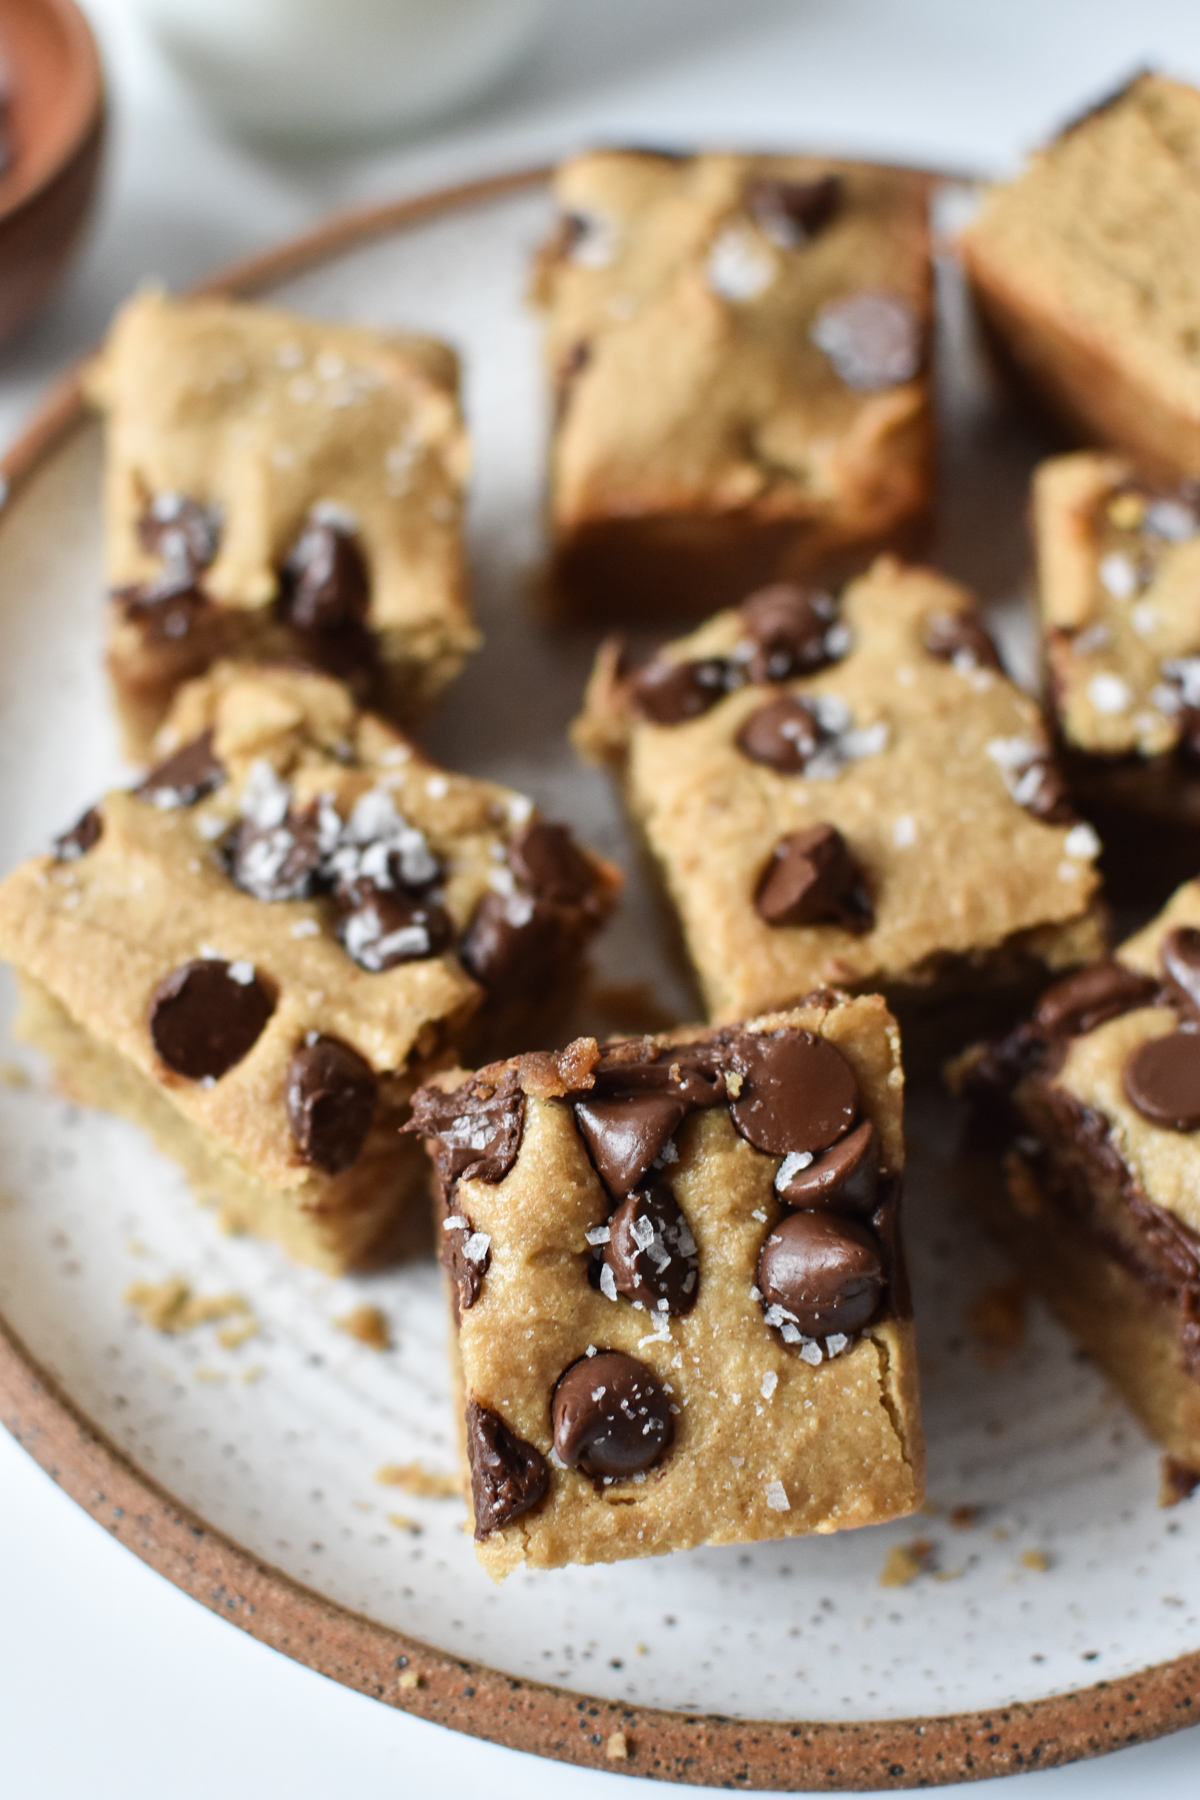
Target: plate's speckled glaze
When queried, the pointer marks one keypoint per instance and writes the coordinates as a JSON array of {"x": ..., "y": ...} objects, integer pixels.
[{"x": 1060, "y": 1572}]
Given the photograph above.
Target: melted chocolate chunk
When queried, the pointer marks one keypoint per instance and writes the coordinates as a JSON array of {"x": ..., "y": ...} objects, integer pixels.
[
  {"x": 167, "y": 611},
  {"x": 180, "y": 531},
  {"x": 824, "y": 1273},
  {"x": 625, "y": 1137},
  {"x": 207, "y": 1015},
  {"x": 797, "y": 1091},
  {"x": 330, "y": 1099},
  {"x": 1080, "y": 1002},
  {"x": 508, "y": 1476},
  {"x": 1047, "y": 796},
  {"x": 670, "y": 693},
  {"x": 276, "y": 862},
  {"x": 83, "y": 836},
  {"x": 546, "y": 859},
  {"x": 845, "y": 1176},
  {"x": 812, "y": 879},
  {"x": 962, "y": 639},
  {"x": 1161, "y": 1079},
  {"x": 652, "y": 1253},
  {"x": 1180, "y": 957},
  {"x": 466, "y": 1256},
  {"x": 474, "y": 1131},
  {"x": 510, "y": 940},
  {"x": 792, "y": 212},
  {"x": 873, "y": 340},
  {"x": 610, "y": 1416},
  {"x": 787, "y": 627},
  {"x": 784, "y": 734},
  {"x": 690, "y": 1072},
  {"x": 323, "y": 586},
  {"x": 386, "y": 928},
  {"x": 185, "y": 776}
]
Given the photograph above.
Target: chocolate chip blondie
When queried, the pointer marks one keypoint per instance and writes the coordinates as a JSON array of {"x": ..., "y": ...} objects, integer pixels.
[
  {"x": 739, "y": 351},
  {"x": 1098, "y": 1095},
  {"x": 675, "y": 1269},
  {"x": 849, "y": 791},
  {"x": 1119, "y": 590},
  {"x": 280, "y": 487},
  {"x": 1087, "y": 272},
  {"x": 261, "y": 950}
]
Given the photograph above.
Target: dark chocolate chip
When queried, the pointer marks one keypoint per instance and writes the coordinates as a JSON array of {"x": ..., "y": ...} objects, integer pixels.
[
  {"x": 276, "y": 862},
  {"x": 692, "y": 1073},
  {"x": 792, "y": 212},
  {"x": 1080, "y": 1002},
  {"x": 652, "y": 1253},
  {"x": 825, "y": 1274},
  {"x": 83, "y": 836},
  {"x": 207, "y": 1015},
  {"x": 670, "y": 693},
  {"x": 961, "y": 638},
  {"x": 1042, "y": 791},
  {"x": 466, "y": 1257},
  {"x": 185, "y": 776},
  {"x": 511, "y": 939},
  {"x": 330, "y": 1099},
  {"x": 625, "y": 1136},
  {"x": 873, "y": 340},
  {"x": 167, "y": 612},
  {"x": 474, "y": 1130},
  {"x": 508, "y": 1476},
  {"x": 546, "y": 859},
  {"x": 180, "y": 531},
  {"x": 1162, "y": 1079},
  {"x": 323, "y": 586},
  {"x": 610, "y": 1416},
  {"x": 797, "y": 1091},
  {"x": 784, "y": 734},
  {"x": 1180, "y": 957},
  {"x": 812, "y": 879},
  {"x": 387, "y": 928},
  {"x": 845, "y": 1177},
  {"x": 788, "y": 629}
]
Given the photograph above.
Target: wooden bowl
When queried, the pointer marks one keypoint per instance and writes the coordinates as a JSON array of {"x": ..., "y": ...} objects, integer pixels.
[{"x": 54, "y": 130}]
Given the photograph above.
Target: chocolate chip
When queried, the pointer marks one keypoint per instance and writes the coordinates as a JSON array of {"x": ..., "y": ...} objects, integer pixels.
[
  {"x": 961, "y": 638},
  {"x": 670, "y": 693},
  {"x": 508, "y": 1476},
  {"x": 276, "y": 862},
  {"x": 466, "y": 1257},
  {"x": 167, "y": 612},
  {"x": 323, "y": 586},
  {"x": 185, "y": 776},
  {"x": 180, "y": 531},
  {"x": 812, "y": 879},
  {"x": 207, "y": 1015},
  {"x": 873, "y": 340},
  {"x": 610, "y": 1416},
  {"x": 784, "y": 734},
  {"x": 548, "y": 861},
  {"x": 83, "y": 836},
  {"x": 692, "y": 1073},
  {"x": 1080, "y": 1002},
  {"x": 797, "y": 1091},
  {"x": 511, "y": 939},
  {"x": 792, "y": 212},
  {"x": 474, "y": 1130},
  {"x": 1162, "y": 1079},
  {"x": 788, "y": 629},
  {"x": 387, "y": 928},
  {"x": 330, "y": 1099},
  {"x": 1041, "y": 790},
  {"x": 1180, "y": 957},
  {"x": 625, "y": 1136},
  {"x": 824, "y": 1273},
  {"x": 652, "y": 1253},
  {"x": 846, "y": 1176}
]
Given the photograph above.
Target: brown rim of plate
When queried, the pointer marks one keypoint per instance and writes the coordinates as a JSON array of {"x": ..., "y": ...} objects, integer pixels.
[
  {"x": 75, "y": 105},
  {"x": 703, "y": 1749}
]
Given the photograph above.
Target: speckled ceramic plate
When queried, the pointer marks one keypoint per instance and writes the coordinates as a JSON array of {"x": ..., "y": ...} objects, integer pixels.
[{"x": 1052, "y": 1610}]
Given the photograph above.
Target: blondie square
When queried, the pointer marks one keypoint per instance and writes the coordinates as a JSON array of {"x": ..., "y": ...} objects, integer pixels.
[
  {"x": 680, "y": 1309},
  {"x": 848, "y": 793},
  {"x": 739, "y": 349},
  {"x": 1087, "y": 271},
  {"x": 260, "y": 951},
  {"x": 1099, "y": 1098},
  {"x": 280, "y": 487}
]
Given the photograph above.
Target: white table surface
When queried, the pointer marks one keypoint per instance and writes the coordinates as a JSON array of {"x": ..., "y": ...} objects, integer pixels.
[{"x": 112, "y": 1684}]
